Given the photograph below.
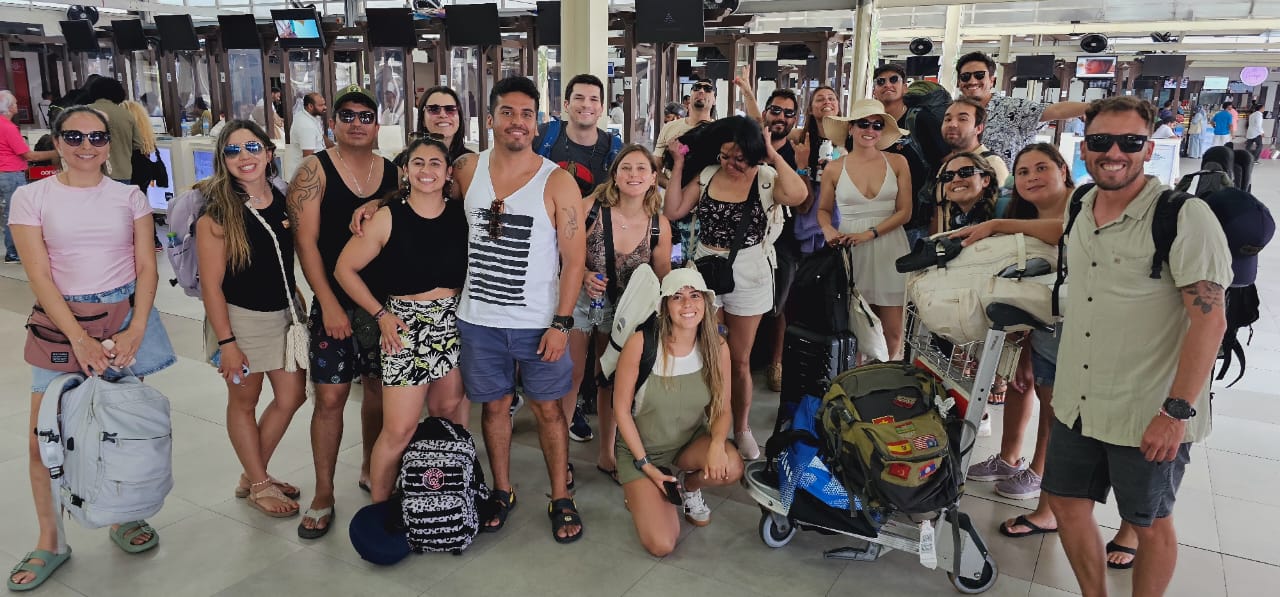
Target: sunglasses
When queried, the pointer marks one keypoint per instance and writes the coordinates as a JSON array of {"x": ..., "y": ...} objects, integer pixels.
[
  {"x": 882, "y": 81},
  {"x": 96, "y": 138},
  {"x": 495, "y": 219},
  {"x": 349, "y": 116},
  {"x": 864, "y": 124},
  {"x": 1101, "y": 142},
  {"x": 979, "y": 75},
  {"x": 436, "y": 109},
  {"x": 703, "y": 87},
  {"x": 232, "y": 150},
  {"x": 776, "y": 110},
  {"x": 962, "y": 172}
]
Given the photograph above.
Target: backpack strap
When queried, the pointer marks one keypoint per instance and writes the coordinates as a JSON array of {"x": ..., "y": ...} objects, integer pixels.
[
  {"x": 655, "y": 231},
  {"x": 648, "y": 357},
  {"x": 554, "y": 128},
  {"x": 1073, "y": 210},
  {"x": 610, "y": 256},
  {"x": 592, "y": 215},
  {"x": 1164, "y": 227},
  {"x": 615, "y": 147}
]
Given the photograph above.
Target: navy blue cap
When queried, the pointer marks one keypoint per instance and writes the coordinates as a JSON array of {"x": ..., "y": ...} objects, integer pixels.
[
  {"x": 377, "y": 536},
  {"x": 1248, "y": 226}
]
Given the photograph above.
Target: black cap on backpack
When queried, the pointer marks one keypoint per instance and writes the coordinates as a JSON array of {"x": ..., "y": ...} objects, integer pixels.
[{"x": 1248, "y": 226}]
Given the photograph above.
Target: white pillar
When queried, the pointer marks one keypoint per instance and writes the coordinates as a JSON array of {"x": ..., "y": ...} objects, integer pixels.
[
  {"x": 865, "y": 44},
  {"x": 584, "y": 44},
  {"x": 950, "y": 47},
  {"x": 1006, "y": 55}
]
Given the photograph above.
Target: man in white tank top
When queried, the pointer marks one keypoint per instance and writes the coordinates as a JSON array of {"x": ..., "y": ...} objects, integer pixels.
[{"x": 525, "y": 221}]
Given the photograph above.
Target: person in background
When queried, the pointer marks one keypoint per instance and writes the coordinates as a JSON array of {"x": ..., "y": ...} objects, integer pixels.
[
  {"x": 147, "y": 138},
  {"x": 1253, "y": 131},
  {"x": 440, "y": 113},
  {"x": 673, "y": 111},
  {"x": 615, "y": 113},
  {"x": 42, "y": 109},
  {"x": 1223, "y": 125},
  {"x": 1167, "y": 110},
  {"x": 14, "y": 155},
  {"x": 1165, "y": 129},
  {"x": 1235, "y": 116},
  {"x": 107, "y": 93},
  {"x": 699, "y": 105},
  {"x": 308, "y": 129},
  {"x": 1199, "y": 134}
]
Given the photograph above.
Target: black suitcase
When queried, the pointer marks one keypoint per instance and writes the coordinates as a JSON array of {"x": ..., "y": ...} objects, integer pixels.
[{"x": 810, "y": 360}]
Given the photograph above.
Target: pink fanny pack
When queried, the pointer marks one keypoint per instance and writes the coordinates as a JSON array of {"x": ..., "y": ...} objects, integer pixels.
[{"x": 48, "y": 348}]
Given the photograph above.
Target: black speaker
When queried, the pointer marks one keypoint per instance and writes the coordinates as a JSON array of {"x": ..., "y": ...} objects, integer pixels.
[
  {"x": 920, "y": 46},
  {"x": 1094, "y": 43}
]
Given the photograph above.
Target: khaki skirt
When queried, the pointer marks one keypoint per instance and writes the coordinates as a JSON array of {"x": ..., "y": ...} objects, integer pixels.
[{"x": 259, "y": 335}]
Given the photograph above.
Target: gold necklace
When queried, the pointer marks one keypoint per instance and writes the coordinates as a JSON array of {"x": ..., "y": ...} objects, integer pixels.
[{"x": 367, "y": 179}]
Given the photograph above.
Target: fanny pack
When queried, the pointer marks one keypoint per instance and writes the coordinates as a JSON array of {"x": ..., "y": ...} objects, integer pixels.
[{"x": 48, "y": 348}]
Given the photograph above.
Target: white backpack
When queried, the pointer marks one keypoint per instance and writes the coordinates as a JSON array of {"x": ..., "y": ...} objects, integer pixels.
[
  {"x": 951, "y": 300},
  {"x": 636, "y": 312},
  {"x": 109, "y": 450}
]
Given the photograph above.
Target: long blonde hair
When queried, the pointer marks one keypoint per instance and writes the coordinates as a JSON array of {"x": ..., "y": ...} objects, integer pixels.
[
  {"x": 146, "y": 135},
  {"x": 707, "y": 343},
  {"x": 607, "y": 194},
  {"x": 225, "y": 200}
]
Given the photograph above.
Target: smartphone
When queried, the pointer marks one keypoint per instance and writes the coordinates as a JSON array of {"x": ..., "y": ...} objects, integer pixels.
[{"x": 672, "y": 488}]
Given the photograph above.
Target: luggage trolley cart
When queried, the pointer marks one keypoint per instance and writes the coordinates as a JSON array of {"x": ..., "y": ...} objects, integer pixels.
[{"x": 949, "y": 542}]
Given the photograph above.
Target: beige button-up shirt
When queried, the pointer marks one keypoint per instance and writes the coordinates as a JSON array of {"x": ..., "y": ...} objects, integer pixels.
[{"x": 1123, "y": 330}]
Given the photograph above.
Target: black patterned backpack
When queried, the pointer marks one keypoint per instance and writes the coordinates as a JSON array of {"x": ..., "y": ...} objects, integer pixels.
[{"x": 441, "y": 488}]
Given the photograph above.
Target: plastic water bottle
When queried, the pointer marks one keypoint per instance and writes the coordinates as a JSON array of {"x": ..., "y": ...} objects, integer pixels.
[{"x": 595, "y": 316}]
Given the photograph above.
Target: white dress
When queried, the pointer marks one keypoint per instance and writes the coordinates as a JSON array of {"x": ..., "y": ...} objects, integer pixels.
[{"x": 873, "y": 263}]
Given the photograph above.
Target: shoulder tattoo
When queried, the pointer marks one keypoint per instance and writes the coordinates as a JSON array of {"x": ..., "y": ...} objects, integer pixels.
[
  {"x": 1207, "y": 296},
  {"x": 306, "y": 186}
]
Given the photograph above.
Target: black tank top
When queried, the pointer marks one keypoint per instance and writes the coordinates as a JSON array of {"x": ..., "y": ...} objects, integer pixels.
[
  {"x": 260, "y": 287},
  {"x": 425, "y": 253},
  {"x": 336, "y": 207}
]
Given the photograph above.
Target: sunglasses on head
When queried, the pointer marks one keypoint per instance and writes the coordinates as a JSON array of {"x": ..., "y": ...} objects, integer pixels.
[
  {"x": 436, "y": 109},
  {"x": 882, "y": 81},
  {"x": 978, "y": 74},
  {"x": 865, "y": 124},
  {"x": 96, "y": 138},
  {"x": 231, "y": 150},
  {"x": 961, "y": 172},
  {"x": 776, "y": 110},
  {"x": 426, "y": 135},
  {"x": 703, "y": 87},
  {"x": 349, "y": 116},
  {"x": 1101, "y": 142}
]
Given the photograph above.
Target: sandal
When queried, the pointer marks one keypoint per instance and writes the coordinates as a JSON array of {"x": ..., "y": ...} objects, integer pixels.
[
  {"x": 289, "y": 491},
  {"x": 316, "y": 515},
  {"x": 570, "y": 478},
  {"x": 997, "y": 392},
  {"x": 272, "y": 492},
  {"x": 1113, "y": 547},
  {"x": 612, "y": 473},
  {"x": 563, "y": 513},
  {"x": 124, "y": 535},
  {"x": 1022, "y": 521},
  {"x": 501, "y": 503},
  {"x": 42, "y": 571}
]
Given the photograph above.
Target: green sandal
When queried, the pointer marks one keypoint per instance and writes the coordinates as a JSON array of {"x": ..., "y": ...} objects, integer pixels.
[
  {"x": 123, "y": 536},
  {"x": 43, "y": 571}
]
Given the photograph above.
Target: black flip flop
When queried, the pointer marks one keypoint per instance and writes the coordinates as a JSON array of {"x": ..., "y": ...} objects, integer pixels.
[
  {"x": 611, "y": 473},
  {"x": 361, "y": 484},
  {"x": 1113, "y": 547},
  {"x": 1022, "y": 520}
]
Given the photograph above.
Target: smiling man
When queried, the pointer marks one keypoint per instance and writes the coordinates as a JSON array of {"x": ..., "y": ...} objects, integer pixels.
[
  {"x": 923, "y": 147},
  {"x": 1011, "y": 121}
]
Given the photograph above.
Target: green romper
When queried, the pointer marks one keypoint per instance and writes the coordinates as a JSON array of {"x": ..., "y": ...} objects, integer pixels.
[{"x": 671, "y": 415}]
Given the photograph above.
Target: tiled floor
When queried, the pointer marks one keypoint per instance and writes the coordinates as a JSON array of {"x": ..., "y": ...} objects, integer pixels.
[{"x": 214, "y": 544}]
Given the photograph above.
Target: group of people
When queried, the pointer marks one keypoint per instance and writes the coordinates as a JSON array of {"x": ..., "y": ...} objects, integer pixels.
[
  {"x": 532, "y": 242},
  {"x": 1212, "y": 128}
]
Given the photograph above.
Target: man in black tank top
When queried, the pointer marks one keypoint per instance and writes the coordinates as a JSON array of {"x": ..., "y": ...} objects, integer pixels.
[{"x": 326, "y": 190}]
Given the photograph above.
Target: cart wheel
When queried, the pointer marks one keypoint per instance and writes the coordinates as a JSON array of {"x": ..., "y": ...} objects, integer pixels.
[
  {"x": 776, "y": 531},
  {"x": 973, "y": 586}
]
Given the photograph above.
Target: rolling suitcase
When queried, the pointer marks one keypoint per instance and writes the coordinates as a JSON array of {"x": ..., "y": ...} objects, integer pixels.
[{"x": 809, "y": 361}]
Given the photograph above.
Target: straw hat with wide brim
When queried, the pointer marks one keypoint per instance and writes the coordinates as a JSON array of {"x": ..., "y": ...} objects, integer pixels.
[{"x": 836, "y": 128}]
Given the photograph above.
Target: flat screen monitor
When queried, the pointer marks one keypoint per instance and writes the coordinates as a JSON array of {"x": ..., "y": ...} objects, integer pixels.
[
  {"x": 669, "y": 21},
  {"x": 157, "y": 196},
  {"x": 472, "y": 25},
  {"x": 1163, "y": 66},
  {"x": 922, "y": 66},
  {"x": 1035, "y": 67},
  {"x": 177, "y": 34},
  {"x": 684, "y": 68},
  {"x": 1096, "y": 67},
  {"x": 718, "y": 70},
  {"x": 239, "y": 32},
  {"x": 794, "y": 52},
  {"x": 767, "y": 70},
  {"x": 1239, "y": 87},
  {"x": 298, "y": 28},
  {"x": 1215, "y": 83},
  {"x": 391, "y": 28},
  {"x": 80, "y": 36},
  {"x": 547, "y": 23},
  {"x": 1179, "y": 82},
  {"x": 203, "y": 160},
  {"x": 128, "y": 35}
]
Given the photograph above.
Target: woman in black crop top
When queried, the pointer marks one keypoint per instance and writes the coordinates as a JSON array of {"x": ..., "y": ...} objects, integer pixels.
[
  {"x": 244, "y": 244},
  {"x": 421, "y": 240},
  {"x": 724, "y": 183}
]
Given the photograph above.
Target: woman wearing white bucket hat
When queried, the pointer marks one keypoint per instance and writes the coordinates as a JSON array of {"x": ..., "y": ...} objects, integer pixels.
[{"x": 872, "y": 190}]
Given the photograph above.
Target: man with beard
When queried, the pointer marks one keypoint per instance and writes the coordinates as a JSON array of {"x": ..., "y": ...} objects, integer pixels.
[
  {"x": 526, "y": 261},
  {"x": 962, "y": 128},
  {"x": 1011, "y": 122},
  {"x": 923, "y": 147},
  {"x": 702, "y": 100},
  {"x": 308, "y": 130},
  {"x": 1136, "y": 354}
]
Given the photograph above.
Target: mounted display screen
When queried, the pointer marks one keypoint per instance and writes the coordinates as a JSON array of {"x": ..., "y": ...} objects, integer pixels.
[
  {"x": 391, "y": 28},
  {"x": 298, "y": 28},
  {"x": 128, "y": 35},
  {"x": 239, "y": 32},
  {"x": 669, "y": 21},
  {"x": 1096, "y": 67},
  {"x": 472, "y": 25},
  {"x": 177, "y": 34}
]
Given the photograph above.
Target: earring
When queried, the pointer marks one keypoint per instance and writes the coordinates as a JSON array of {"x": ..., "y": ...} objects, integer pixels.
[{"x": 108, "y": 165}]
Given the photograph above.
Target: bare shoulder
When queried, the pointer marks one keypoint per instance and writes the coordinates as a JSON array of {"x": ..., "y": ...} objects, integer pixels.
[
  {"x": 464, "y": 169},
  {"x": 563, "y": 190}
]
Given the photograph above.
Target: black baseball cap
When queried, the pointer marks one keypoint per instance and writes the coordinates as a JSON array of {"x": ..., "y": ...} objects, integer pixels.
[{"x": 1248, "y": 226}]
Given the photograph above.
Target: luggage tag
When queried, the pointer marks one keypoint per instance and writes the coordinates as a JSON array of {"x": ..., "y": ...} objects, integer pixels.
[
  {"x": 928, "y": 547},
  {"x": 944, "y": 405}
]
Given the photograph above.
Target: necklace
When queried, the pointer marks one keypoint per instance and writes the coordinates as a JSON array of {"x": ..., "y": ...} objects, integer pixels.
[{"x": 367, "y": 179}]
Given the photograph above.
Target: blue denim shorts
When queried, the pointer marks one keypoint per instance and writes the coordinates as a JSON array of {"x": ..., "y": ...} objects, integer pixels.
[
  {"x": 1044, "y": 355},
  {"x": 489, "y": 358},
  {"x": 155, "y": 353}
]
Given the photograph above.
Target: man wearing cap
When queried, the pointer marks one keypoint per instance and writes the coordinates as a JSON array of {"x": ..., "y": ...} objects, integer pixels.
[
  {"x": 923, "y": 147},
  {"x": 308, "y": 130},
  {"x": 1011, "y": 121},
  {"x": 702, "y": 99},
  {"x": 326, "y": 190},
  {"x": 1132, "y": 388}
]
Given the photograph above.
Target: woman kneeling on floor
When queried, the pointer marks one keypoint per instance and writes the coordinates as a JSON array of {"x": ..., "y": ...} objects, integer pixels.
[
  {"x": 667, "y": 431},
  {"x": 244, "y": 244},
  {"x": 422, "y": 240}
]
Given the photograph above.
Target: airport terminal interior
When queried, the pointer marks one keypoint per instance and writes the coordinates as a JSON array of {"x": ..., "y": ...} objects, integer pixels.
[{"x": 194, "y": 63}]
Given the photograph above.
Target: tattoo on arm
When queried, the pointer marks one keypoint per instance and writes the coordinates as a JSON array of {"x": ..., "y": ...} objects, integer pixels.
[
  {"x": 306, "y": 186},
  {"x": 571, "y": 221},
  {"x": 1207, "y": 296}
]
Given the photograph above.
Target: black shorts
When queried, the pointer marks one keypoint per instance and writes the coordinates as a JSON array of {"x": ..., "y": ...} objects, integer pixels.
[
  {"x": 340, "y": 361},
  {"x": 1082, "y": 467}
]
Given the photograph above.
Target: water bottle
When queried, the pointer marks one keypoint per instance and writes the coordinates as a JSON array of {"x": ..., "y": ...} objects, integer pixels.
[
  {"x": 826, "y": 151},
  {"x": 595, "y": 316}
]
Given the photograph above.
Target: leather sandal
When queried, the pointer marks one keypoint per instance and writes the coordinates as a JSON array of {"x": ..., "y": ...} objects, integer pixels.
[{"x": 273, "y": 492}]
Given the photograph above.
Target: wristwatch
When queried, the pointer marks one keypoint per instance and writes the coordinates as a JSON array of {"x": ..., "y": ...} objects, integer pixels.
[
  {"x": 640, "y": 463},
  {"x": 562, "y": 321},
  {"x": 1177, "y": 408}
]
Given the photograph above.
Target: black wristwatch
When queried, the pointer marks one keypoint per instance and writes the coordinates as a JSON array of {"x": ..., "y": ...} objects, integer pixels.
[
  {"x": 640, "y": 463},
  {"x": 562, "y": 321},
  {"x": 1177, "y": 408}
]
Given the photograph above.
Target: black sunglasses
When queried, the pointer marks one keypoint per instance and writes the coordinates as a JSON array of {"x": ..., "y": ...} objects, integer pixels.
[
  {"x": 881, "y": 81},
  {"x": 436, "y": 109},
  {"x": 703, "y": 87},
  {"x": 96, "y": 138},
  {"x": 232, "y": 150},
  {"x": 1101, "y": 142},
  {"x": 776, "y": 110},
  {"x": 978, "y": 74},
  {"x": 962, "y": 172},
  {"x": 865, "y": 124},
  {"x": 349, "y": 116}
]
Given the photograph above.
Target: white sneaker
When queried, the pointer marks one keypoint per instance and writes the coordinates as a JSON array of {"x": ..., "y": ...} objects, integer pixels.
[
  {"x": 747, "y": 446},
  {"x": 695, "y": 508},
  {"x": 984, "y": 428}
]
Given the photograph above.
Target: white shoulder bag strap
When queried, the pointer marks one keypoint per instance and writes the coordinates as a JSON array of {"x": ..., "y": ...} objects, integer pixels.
[{"x": 296, "y": 341}]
